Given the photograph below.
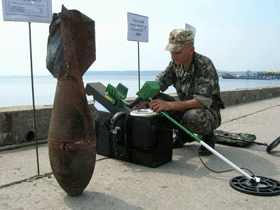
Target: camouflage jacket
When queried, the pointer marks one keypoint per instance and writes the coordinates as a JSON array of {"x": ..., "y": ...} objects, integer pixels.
[{"x": 200, "y": 81}]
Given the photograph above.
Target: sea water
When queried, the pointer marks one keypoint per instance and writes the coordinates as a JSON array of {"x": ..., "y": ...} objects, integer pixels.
[{"x": 17, "y": 91}]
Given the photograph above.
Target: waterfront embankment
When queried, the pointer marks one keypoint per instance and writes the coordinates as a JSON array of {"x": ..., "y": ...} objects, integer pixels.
[{"x": 17, "y": 127}]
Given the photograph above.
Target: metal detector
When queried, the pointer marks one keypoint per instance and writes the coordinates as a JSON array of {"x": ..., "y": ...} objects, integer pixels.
[
  {"x": 254, "y": 185},
  {"x": 269, "y": 148}
]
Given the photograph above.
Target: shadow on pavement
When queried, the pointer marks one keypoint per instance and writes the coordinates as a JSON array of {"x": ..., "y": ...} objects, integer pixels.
[{"x": 95, "y": 200}]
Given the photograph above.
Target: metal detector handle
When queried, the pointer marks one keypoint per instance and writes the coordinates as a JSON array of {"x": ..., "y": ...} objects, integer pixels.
[{"x": 134, "y": 103}]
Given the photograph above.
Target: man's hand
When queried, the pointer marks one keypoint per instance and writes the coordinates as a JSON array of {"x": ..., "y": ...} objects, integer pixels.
[{"x": 160, "y": 105}]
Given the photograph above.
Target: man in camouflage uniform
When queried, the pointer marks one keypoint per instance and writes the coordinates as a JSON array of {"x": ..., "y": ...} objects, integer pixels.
[{"x": 197, "y": 84}]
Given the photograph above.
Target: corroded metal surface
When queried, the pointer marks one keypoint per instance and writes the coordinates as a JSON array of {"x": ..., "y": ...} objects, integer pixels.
[{"x": 71, "y": 140}]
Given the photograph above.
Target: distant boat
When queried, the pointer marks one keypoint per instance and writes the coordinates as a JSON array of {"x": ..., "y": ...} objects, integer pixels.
[
  {"x": 269, "y": 75},
  {"x": 259, "y": 76}
]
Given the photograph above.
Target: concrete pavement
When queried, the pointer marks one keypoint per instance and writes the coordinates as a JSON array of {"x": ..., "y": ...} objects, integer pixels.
[{"x": 183, "y": 183}]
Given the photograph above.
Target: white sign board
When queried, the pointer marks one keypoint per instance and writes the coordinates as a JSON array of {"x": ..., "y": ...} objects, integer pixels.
[
  {"x": 187, "y": 26},
  {"x": 138, "y": 28},
  {"x": 27, "y": 10}
]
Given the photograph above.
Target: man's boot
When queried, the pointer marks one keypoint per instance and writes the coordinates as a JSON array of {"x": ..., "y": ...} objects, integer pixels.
[{"x": 210, "y": 140}]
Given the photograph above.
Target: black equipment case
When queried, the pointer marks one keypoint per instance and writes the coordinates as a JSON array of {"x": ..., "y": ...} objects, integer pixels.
[{"x": 141, "y": 140}]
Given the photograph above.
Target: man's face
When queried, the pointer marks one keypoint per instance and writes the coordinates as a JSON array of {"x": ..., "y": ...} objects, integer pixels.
[{"x": 183, "y": 55}]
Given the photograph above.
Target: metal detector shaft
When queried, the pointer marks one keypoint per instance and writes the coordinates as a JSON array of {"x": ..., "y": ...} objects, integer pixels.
[
  {"x": 206, "y": 146},
  {"x": 253, "y": 142}
]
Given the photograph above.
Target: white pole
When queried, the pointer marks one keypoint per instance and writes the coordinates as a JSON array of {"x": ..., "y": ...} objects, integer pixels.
[{"x": 225, "y": 160}]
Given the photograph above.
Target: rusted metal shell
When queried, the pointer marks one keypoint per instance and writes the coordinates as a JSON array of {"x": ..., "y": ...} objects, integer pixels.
[{"x": 71, "y": 139}]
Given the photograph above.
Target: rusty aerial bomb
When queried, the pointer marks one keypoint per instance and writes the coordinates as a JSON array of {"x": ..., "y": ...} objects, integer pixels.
[{"x": 71, "y": 139}]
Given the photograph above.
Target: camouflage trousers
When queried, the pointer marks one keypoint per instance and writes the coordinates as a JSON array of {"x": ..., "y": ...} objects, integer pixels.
[{"x": 199, "y": 121}]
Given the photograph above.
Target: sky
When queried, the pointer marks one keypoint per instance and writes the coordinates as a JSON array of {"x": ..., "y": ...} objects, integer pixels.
[{"x": 236, "y": 35}]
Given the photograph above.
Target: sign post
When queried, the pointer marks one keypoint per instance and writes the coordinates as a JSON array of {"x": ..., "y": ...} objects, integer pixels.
[
  {"x": 138, "y": 30},
  {"x": 29, "y": 11}
]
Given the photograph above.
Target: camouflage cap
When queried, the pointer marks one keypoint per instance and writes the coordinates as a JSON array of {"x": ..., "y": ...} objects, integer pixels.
[{"x": 178, "y": 38}]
